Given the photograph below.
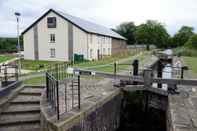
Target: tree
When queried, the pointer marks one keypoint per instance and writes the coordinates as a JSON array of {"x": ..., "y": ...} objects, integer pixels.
[
  {"x": 127, "y": 30},
  {"x": 182, "y": 36},
  {"x": 152, "y": 32},
  {"x": 192, "y": 42}
]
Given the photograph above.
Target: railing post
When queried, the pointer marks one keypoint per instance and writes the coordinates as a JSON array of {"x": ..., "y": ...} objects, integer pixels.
[
  {"x": 47, "y": 85},
  {"x": 79, "y": 96},
  {"x": 182, "y": 72},
  {"x": 56, "y": 70},
  {"x": 115, "y": 68},
  {"x": 16, "y": 72},
  {"x": 57, "y": 95},
  {"x": 5, "y": 75},
  {"x": 148, "y": 78}
]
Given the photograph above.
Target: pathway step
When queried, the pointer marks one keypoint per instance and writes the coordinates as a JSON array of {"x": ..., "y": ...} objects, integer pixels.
[
  {"x": 10, "y": 119},
  {"x": 31, "y": 91},
  {"x": 22, "y": 108},
  {"x": 26, "y": 98},
  {"x": 23, "y": 113},
  {"x": 21, "y": 127}
]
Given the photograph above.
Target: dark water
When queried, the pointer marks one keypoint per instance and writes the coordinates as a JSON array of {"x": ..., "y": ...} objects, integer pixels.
[{"x": 135, "y": 118}]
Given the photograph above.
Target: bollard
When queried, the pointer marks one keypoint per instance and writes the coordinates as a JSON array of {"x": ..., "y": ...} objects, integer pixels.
[{"x": 135, "y": 69}]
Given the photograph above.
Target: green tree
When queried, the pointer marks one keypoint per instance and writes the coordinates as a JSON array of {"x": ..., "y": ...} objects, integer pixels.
[
  {"x": 152, "y": 32},
  {"x": 192, "y": 42},
  {"x": 182, "y": 36},
  {"x": 127, "y": 30}
]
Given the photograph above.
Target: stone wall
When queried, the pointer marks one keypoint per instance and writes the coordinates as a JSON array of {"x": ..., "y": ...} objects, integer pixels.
[
  {"x": 105, "y": 118},
  {"x": 101, "y": 115}
]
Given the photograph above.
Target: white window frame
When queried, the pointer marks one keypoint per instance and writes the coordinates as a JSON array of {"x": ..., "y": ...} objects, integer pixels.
[
  {"x": 52, "y": 53},
  {"x": 52, "y": 38}
]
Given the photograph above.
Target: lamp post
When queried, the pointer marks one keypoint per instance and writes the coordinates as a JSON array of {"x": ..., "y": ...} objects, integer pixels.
[{"x": 17, "y": 14}]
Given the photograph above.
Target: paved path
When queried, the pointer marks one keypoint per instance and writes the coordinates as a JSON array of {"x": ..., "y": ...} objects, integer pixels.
[{"x": 183, "y": 106}]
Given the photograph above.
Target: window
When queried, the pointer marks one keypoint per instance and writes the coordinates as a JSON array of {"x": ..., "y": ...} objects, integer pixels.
[
  {"x": 52, "y": 38},
  {"x": 52, "y": 53},
  {"x": 51, "y": 22}
]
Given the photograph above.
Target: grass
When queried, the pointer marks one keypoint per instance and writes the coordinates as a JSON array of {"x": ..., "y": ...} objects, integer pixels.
[
  {"x": 107, "y": 60},
  {"x": 4, "y": 58},
  {"x": 36, "y": 81},
  {"x": 191, "y": 62},
  {"x": 36, "y": 65},
  {"x": 110, "y": 68}
]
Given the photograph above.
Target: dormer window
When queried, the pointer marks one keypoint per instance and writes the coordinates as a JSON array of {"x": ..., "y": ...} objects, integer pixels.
[{"x": 51, "y": 22}]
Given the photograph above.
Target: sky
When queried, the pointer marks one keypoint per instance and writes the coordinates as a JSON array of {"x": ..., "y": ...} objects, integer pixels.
[{"x": 110, "y": 13}]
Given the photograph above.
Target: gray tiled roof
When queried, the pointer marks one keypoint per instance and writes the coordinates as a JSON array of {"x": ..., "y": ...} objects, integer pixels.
[{"x": 91, "y": 27}]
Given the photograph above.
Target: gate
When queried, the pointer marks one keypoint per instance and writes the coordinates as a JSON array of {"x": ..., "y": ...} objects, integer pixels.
[{"x": 62, "y": 89}]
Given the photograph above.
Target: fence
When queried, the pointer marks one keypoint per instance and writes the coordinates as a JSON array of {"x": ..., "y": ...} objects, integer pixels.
[
  {"x": 62, "y": 89},
  {"x": 8, "y": 74}
]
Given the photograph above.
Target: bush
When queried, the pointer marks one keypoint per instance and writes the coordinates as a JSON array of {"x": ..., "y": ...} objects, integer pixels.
[{"x": 192, "y": 42}]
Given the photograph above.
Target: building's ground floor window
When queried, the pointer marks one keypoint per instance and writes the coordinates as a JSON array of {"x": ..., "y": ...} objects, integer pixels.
[{"x": 52, "y": 52}]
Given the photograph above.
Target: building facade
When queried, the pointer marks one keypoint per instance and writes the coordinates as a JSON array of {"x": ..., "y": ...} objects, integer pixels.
[{"x": 56, "y": 36}]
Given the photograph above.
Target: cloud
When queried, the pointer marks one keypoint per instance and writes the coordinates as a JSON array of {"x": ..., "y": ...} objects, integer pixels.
[{"x": 174, "y": 13}]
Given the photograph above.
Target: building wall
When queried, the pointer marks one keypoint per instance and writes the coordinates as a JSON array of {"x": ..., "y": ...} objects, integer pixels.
[
  {"x": 92, "y": 46},
  {"x": 44, "y": 45},
  {"x": 80, "y": 42},
  {"x": 118, "y": 46},
  {"x": 28, "y": 40},
  {"x": 101, "y": 43}
]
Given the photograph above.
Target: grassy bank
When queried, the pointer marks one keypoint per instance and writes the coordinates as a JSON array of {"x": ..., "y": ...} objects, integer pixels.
[
  {"x": 37, "y": 65},
  {"x": 184, "y": 51},
  {"x": 4, "y": 58},
  {"x": 191, "y": 62}
]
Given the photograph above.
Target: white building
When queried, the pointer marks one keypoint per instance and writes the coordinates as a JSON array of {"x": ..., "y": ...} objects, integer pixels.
[{"x": 57, "y": 36}]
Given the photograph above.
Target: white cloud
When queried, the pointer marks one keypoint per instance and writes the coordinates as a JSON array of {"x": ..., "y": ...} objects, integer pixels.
[{"x": 174, "y": 13}]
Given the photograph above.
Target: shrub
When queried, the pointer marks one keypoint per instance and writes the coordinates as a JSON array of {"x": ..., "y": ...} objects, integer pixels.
[{"x": 192, "y": 42}]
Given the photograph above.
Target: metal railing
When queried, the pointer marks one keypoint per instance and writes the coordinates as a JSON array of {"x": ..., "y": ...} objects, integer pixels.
[
  {"x": 8, "y": 74},
  {"x": 62, "y": 89}
]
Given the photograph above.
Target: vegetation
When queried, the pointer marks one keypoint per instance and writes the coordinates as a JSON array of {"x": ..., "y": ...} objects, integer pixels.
[
  {"x": 152, "y": 32},
  {"x": 36, "y": 65},
  {"x": 191, "y": 62},
  {"x": 4, "y": 58},
  {"x": 182, "y": 36},
  {"x": 8, "y": 45},
  {"x": 149, "y": 33},
  {"x": 127, "y": 30}
]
